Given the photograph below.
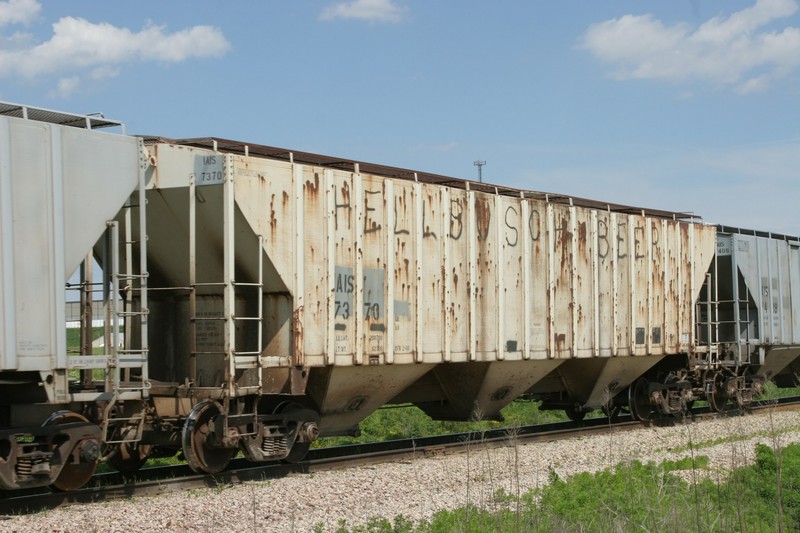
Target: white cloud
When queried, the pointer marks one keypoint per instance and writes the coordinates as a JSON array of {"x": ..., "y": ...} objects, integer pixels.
[
  {"x": 66, "y": 87},
  {"x": 16, "y": 41},
  {"x": 78, "y": 44},
  {"x": 104, "y": 72},
  {"x": 80, "y": 48},
  {"x": 370, "y": 10},
  {"x": 754, "y": 85},
  {"x": 736, "y": 50},
  {"x": 18, "y": 11}
]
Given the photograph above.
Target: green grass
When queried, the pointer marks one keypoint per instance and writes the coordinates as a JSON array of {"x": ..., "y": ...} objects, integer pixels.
[
  {"x": 733, "y": 438},
  {"x": 410, "y": 421},
  {"x": 74, "y": 340},
  {"x": 74, "y": 348},
  {"x": 633, "y": 497},
  {"x": 773, "y": 392}
]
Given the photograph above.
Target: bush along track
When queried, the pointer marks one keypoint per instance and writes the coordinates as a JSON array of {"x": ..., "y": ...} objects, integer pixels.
[{"x": 634, "y": 496}]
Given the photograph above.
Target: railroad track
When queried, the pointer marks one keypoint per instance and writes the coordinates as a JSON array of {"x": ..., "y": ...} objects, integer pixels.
[{"x": 159, "y": 480}]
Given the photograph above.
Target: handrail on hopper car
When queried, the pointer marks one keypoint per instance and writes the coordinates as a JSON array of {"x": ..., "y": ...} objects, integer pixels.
[
  {"x": 791, "y": 239},
  {"x": 236, "y": 147},
  {"x": 90, "y": 121}
]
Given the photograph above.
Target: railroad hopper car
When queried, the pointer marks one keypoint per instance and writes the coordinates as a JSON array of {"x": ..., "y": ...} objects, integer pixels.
[{"x": 257, "y": 298}]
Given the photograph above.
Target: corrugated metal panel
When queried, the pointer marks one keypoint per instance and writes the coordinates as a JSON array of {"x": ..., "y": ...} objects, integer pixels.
[
  {"x": 48, "y": 173},
  {"x": 794, "y": 293},
  {"x": 8, "y": 355},
  {"x": 770, "y": 268},
  {"x": 385, "y": 270},
  {"x": 35, "y": 229},
  {"x": 451, "y": 266}
]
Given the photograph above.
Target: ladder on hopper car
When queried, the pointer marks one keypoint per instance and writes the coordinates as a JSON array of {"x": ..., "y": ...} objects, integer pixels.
[
  {"x": 127, "y": 375},
  {"x": 706, "y": 325},
  {"x": 734, "y": 324},
  {"x": 236, "y": 360},
  {"x": 124, "y": 304},
  {"x": 722, "y": 324}
]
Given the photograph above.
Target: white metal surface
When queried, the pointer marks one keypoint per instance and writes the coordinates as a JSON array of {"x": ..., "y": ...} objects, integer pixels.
[
  {"x": 770, "y": 268},
  {"x": 59, "y": 186}
]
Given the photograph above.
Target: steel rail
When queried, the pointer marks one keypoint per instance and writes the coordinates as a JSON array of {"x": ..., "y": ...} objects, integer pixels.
[{"x": 159, "y": 480}]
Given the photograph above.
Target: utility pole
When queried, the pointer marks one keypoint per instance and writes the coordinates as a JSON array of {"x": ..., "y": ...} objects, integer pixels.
[{"x": 480, "y": 164}]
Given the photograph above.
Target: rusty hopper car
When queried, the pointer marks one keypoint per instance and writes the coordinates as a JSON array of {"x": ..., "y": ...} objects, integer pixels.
[
  {"x": 268, "y": 297},
  {"x": 347, "y": 289}
]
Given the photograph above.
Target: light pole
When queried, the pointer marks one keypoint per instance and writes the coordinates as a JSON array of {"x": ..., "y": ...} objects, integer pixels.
[{"x": 480, "y": 164}]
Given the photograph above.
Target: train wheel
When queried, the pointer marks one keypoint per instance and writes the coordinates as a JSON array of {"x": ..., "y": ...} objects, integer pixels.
[
  {"x": 201, "y": 456},
  {"x": 75, "y": 475},
  {"x": 299, "y": 449},
  {"x": 129, "y": 456},
  {"x": 718, "y": 399},
  {"x": 298, "y": 452},
  {"x": 574, "y": 414},
  {"x": 639, "y": 402}
]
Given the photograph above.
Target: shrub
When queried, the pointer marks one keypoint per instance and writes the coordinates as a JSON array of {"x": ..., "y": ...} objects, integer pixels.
[{"x": 635, "y": 496}]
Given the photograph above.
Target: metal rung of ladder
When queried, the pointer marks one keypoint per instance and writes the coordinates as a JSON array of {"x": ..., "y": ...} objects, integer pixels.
[
  {"x": 121, "y": 275},
  {"x": 132, "y": 313},
  {"x": 132, "y": 389},
  {"x": 130, "y": 352},
  {"x": 131, "y": 363}
]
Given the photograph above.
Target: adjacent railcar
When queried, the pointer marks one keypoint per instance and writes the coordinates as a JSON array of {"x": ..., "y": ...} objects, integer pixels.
[
  {"x": 256, "y": 298},
  {"x": 60, "y": 188},
  {"x": 750, "y": 312}
]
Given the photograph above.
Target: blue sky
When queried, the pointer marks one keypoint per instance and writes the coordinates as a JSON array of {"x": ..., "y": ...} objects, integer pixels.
[{"x": 681, "y": 105}]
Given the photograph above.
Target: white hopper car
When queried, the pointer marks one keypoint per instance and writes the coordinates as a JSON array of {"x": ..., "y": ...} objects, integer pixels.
[{"x": 255, "y": 299}]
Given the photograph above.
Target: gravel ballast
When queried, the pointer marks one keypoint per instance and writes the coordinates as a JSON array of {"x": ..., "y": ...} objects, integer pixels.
[{"x": 418, "y": 487}]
